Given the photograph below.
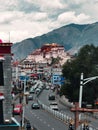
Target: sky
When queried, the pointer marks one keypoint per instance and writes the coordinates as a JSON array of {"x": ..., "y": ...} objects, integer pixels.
[{"x": 22, "y": 19}]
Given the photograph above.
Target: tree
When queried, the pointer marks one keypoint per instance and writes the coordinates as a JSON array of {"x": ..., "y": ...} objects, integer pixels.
[
  {"x": 85, "y": 62},
  {"x": 55, "y": 60}
]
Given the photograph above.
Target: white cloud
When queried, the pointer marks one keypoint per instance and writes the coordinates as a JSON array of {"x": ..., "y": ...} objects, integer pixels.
[
  {"x": 8, "y": 4},
  {"x": 78, "y": 1},
  {"x": 66, "y": 17},
  {"x": 55, "y": 4},
  {"x": 9, "y": 16},
  {"x": 82, "y": 18},
  {"x": 37, "y": 16},
  {"x": 71, "y": 17},
  {"x": 45, "y": 5},
  {"x": 30, "y": 18}
]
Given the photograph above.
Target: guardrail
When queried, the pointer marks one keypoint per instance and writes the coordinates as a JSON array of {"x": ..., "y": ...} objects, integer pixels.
[{"x": 62, "y": 116}]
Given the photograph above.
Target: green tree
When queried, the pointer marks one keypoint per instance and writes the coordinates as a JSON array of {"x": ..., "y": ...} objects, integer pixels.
[
  {"x": 55, "y": 60},
  {"x": 85, "y": 62}
]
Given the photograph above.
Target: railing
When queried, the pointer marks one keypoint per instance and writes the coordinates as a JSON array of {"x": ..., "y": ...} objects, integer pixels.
[{"x": 62, "y": 116}]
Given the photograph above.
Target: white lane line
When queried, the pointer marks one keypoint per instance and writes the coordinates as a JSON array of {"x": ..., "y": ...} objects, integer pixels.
[
  {"x": 44, "y": 122},
  {"x": 48, "y": 125},
  {"x": 40, "y": 119}
]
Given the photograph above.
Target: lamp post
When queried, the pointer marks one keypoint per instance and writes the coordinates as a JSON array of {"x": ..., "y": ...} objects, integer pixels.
[
  {"x": 81, "y": 89},
  {"x": 23, "y": 77},
  {"x": 23, "y": 103},
  {"x": 82, "y": 83},
  {"x": 49, "y": 73}
]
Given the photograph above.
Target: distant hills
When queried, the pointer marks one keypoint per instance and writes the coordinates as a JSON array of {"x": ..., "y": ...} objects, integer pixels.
[{"x": 72, "y": 37}]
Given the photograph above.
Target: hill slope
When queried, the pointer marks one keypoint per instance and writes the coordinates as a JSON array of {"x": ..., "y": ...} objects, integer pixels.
[{"x": 72, "y": 36}]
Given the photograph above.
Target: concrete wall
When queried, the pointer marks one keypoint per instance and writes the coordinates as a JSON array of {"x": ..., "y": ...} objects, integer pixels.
[{"x": 7, "y": 87}]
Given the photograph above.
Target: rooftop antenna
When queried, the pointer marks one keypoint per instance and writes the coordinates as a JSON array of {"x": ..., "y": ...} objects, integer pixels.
[{"x": 9, "y": 37}]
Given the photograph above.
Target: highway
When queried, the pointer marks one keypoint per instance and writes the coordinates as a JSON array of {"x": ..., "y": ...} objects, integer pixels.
[
  {"x": 43, "y": 120},
  {"x": 65, "y": 110},
  {"x": 44, "y": 98}
]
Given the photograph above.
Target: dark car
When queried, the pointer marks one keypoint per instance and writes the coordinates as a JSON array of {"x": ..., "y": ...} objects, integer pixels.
[
  {"x": 51, "y": 97},
  {"x": 30, "y": 97},
  {"x": 35, "y": 106}
]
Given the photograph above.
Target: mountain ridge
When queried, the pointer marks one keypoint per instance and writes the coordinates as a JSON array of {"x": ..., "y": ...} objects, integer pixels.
[{"x": 70, "y": 36}]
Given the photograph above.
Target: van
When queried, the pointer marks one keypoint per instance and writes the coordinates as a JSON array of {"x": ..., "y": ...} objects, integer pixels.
[{"x": 54, "y": 106}]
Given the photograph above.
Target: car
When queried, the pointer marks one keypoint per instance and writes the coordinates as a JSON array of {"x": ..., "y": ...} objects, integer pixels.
[
  {"x": 32, "y": 90},
  {"x": 37, "y": 90},
  {"x": 47, "y": 87},
  {"x": 54, "y": 106},
  {"x": 30, "y": 97},
  {"x": 17, "y": 109},
  {"x": 35, "y": 106},
  {"x": 51, "y": 97}
]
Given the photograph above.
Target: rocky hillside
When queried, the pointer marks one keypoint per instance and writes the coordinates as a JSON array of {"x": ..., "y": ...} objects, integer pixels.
[{"x": 72, "y": 37}]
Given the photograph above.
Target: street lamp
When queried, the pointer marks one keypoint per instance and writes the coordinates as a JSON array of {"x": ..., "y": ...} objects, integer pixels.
[
  {"x": 49, "y": 73},
  {"x": 23, "y": 104},
  {"x": 23, "y": 77},
  {"x": 83, "y": 82}
]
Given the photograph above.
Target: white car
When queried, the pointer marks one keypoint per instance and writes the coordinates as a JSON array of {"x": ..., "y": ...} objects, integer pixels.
[
  {"x": 47, "y": 87},
  {"x": 54, "y": 106}
]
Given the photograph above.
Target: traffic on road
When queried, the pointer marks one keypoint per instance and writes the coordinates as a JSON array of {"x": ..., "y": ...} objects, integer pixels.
[{"x": 42, "y": 117}]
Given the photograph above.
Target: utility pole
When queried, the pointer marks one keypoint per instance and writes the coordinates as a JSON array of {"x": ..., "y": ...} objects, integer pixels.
[
  {"x": 82, "y": 83},
  {"x": 81, "y": 89},
  {"x": 24, "y": 103},
  {"x": 77, "y": 110},
  {"x": 24, "y": 78}
]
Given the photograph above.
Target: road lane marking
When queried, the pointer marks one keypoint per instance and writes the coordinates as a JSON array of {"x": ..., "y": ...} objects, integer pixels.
[
  {"x": 40, "y": 119},
  {"x": 48, "y": 125},
  {"x": 44, "y": 122}
]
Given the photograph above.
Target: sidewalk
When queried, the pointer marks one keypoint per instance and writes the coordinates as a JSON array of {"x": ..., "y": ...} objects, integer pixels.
[{"x": 64, "y": 101}]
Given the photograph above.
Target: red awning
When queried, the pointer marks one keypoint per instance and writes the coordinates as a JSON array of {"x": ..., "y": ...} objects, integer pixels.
[
  {"x": 1, "y": 57},
  {"x": 1, "y": 41},
  {"x": 34, "y": 75},
  {"x": 1, "y": 96}
]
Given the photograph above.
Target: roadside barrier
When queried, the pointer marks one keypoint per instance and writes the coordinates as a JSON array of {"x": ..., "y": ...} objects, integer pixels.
[
  {"x": 57, "y": 114},
  {"x": 62, "y": 116}
]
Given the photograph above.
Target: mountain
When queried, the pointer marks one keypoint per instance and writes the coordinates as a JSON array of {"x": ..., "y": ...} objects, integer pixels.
[{"x": 72, "y": 37}]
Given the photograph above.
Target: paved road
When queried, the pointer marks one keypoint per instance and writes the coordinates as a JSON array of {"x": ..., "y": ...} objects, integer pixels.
[
  {"x": 43, "y": 120},
  {"x": 44, "y": 98}
]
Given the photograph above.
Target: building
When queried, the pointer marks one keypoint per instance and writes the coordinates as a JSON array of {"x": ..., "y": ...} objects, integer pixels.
[
  {"x": 47, "y": 51},
  {"x": 40, "y": 59},
  {"x": 6, "y": 87}
]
